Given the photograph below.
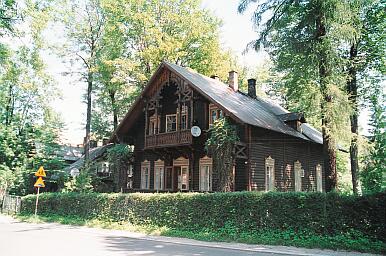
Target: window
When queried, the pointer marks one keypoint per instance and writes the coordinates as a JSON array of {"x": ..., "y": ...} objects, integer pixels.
[
  {"x": 206, "y": 177},
  {"x": 159, "y": 175},
  {"x": 184, "y": 121},
  {"x": 145, "y": 175},
  {"x": 214, "y": 113},
  {"x": 153, "y": 125},
  {"x": 298, "y": 176},
  {"x": 319, "y": 184},
  {"x": 206, "y": 174},
  {"x": 183, "y": 178},
  {"x": 171, "y": 123},
  {"x": 269, "y": 174},
  {"x": 103, "y": 169}
]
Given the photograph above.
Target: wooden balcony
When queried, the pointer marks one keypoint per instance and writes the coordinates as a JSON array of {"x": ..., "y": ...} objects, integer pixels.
[{"x": 168, "y": 139}]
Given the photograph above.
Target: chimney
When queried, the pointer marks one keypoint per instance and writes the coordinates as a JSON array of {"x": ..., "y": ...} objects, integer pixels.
[
  {"x": 252, "y": 88},
  {"x": 233, "y": 80},
  {"x": 215, "y": 77}
]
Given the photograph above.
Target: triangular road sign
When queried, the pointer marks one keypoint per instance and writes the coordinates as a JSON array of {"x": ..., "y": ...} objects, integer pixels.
[
  {"x": 40, "y": 172},
  {"x": 39, "y": 183}
]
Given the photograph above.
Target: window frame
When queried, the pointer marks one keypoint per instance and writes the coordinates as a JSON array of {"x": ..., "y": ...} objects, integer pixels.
[
  {"x": 145, "y": 181},
  {"x": 159, "y": 172},
  {"x": 155, "y": 122},
  {"x": 167, "y": 122},
  {"x": 298, "y": 176},
  {"x": 269, "y": 174},
  {"x": 319, "y": 178},
  {"x": 218, "y": 113},
  {"x": 205, "y": 162},
  {"x": 183, "y": 179}
]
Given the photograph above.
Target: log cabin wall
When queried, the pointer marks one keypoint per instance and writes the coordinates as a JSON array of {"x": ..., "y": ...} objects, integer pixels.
[{"x": 285, "y": 150}]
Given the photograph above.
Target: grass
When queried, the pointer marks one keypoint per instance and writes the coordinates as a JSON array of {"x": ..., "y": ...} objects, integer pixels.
[{"x": 352, "y": 241}]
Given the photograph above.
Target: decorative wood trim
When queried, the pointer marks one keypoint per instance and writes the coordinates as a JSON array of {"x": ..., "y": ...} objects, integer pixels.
[
  {"x": 206, "y": 160},
  {"x": 181, "y": 161},
  {"x": 240, "y": 150}
]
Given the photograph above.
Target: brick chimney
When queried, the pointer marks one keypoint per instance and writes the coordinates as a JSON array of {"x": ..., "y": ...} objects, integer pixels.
[
  {"x": 252, "y": 88},
  {"x": 215, "y": 77},
  {"x": 233, "y": 80}
]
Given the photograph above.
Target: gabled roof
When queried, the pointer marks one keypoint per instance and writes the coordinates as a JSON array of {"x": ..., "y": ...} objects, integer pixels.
[
  {"x": 95, "y": 153},
  {"x": 257, "y": 111}
]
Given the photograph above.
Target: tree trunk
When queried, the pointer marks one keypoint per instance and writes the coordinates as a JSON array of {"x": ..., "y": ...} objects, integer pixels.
[
  {"x": 9, "y": 107},
  {"x": 352, "y": 90},
  {"x": 88, "y": 120},
  {"x": 329, "y": 152},
  {"x": 114, "y": 107}
]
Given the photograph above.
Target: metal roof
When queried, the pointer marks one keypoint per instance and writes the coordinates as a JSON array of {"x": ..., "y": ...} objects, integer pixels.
[
  {"x": 254, "y": 111},
  {"x": 95, "y": 153}
]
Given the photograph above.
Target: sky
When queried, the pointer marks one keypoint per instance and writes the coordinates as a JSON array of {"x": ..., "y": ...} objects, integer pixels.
[{"x": 236, "y": 33}]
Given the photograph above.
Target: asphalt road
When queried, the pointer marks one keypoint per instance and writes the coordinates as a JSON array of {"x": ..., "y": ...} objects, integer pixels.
[{"x": 23, "y": 239}]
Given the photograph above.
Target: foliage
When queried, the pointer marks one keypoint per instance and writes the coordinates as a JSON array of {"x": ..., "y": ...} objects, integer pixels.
[
  {"x": 375, "y": 163},
  {"x": 302, "y": 218},
  {"x": 9, "y": 14},
  {"x": 138, "y": 35},
  {"x": 29, "y": 128},
  {"x": 81, "y": 183},
  {"x": 118, "y": 157},
  {"x": 220, "y": 145}
]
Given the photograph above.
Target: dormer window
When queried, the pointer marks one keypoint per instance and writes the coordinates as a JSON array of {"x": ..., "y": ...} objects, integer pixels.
[
  {"x": 214, "y": 114},
  {"x": 171, "y": 123}
]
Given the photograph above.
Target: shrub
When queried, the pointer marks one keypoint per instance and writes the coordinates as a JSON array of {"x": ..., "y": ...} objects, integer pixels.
[{"x": 320, "y": 214}]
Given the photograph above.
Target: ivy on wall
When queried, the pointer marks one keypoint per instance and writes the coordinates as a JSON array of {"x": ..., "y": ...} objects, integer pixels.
[
  {"x": 220, "y": 145},
  {"x": 119, "y": 157}
]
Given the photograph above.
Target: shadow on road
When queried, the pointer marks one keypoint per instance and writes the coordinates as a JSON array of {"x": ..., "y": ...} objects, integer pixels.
[{"x": 145, "y": 247}]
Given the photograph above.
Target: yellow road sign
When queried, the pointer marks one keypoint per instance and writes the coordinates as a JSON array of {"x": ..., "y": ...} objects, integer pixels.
[
  {"x": 39, "y": 183},
  {"x": 40, "y": 172}
]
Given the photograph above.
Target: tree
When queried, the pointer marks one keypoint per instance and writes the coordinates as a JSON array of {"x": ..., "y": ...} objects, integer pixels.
[
  {"x": 375, "y": 163},
  {"x": 303, "y": 38},
  {"x": 137, "y": 36},
  {"x": 366, "y": 59},
  {"x": 28, "y": 132},
  {"x": 9, "y": 14},
  {"x": 84, "y": 23}
]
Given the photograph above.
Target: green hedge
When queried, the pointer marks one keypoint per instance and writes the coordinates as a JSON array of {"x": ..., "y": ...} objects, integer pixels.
[{"x": 319, "y": 213}]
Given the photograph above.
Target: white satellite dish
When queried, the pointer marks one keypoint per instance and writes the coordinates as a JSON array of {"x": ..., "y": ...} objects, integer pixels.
[{"x": 195, "y": 131}]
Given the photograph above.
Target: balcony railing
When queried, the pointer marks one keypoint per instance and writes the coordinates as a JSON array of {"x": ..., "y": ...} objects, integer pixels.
[{"x": 168, "y": 139}]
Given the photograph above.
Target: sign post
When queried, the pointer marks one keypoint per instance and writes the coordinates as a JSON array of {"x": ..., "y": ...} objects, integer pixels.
[{"x": 39, "y": 184}]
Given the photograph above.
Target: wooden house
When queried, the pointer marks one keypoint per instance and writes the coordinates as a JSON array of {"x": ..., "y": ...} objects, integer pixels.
[{"x": 277, "y": 149}]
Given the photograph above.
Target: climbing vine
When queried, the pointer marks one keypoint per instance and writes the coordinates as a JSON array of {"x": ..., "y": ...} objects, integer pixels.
[
  {"x": 118, "y": 157},
  {"x": 220, "y": 145}
]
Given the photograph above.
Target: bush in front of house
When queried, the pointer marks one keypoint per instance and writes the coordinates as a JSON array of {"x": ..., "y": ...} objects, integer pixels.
[{"x": 318, "y": 213}]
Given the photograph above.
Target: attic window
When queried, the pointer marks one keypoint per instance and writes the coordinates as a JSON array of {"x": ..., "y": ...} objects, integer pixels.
[{"x": 214, "y": 113}]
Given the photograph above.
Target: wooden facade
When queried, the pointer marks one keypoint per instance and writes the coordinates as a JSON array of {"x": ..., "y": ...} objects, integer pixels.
[{"x": 168, "y": 158}]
